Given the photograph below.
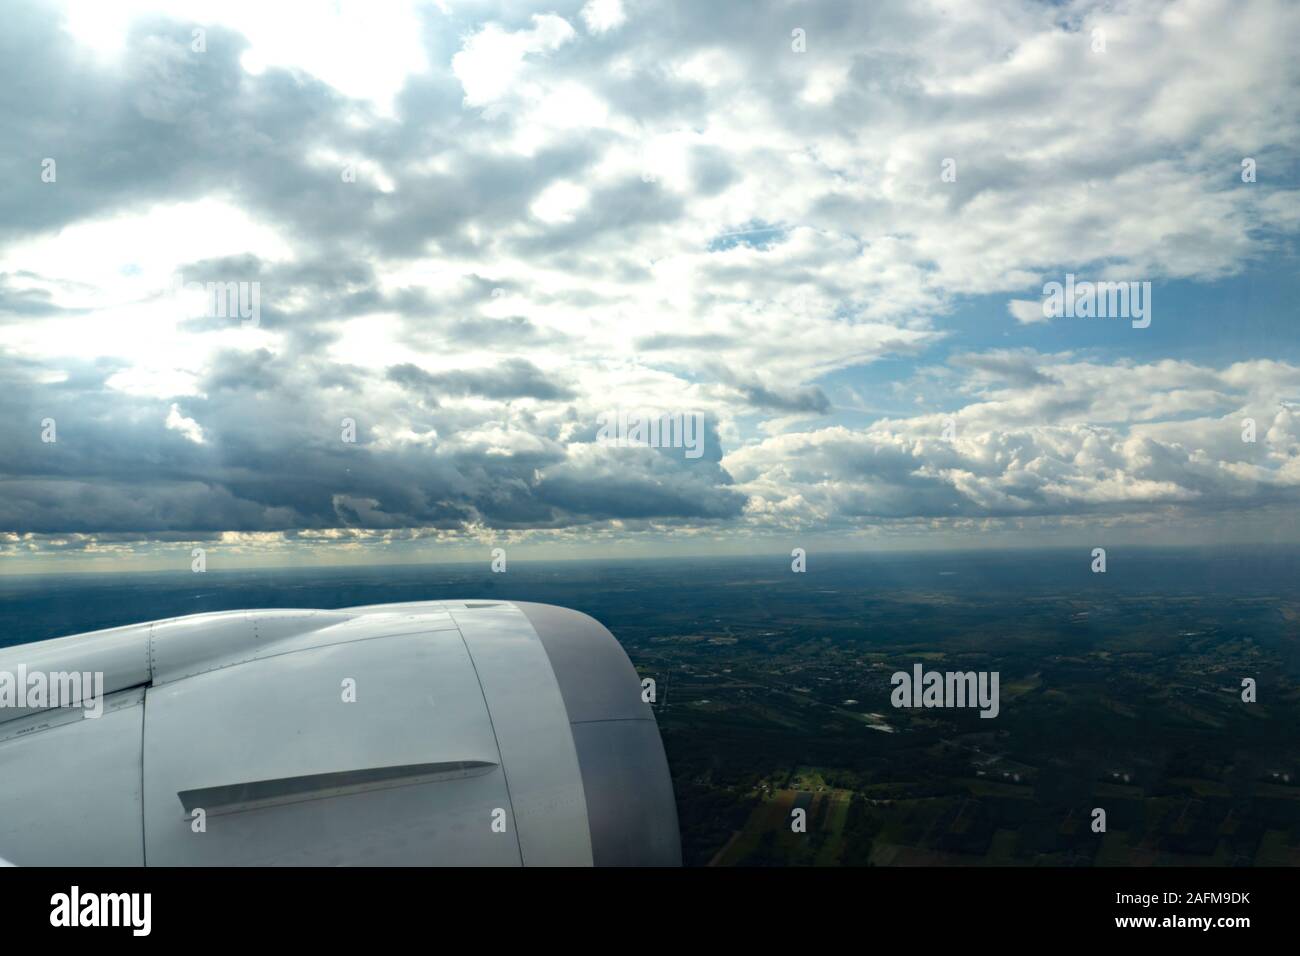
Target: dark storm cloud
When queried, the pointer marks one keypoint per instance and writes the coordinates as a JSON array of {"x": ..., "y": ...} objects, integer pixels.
[
  {"x": 513, "y": 378},
  {"x": 273, "y": 459},
  {"x": 786, "y": 400},
  {"x": 642, "y": 483}
]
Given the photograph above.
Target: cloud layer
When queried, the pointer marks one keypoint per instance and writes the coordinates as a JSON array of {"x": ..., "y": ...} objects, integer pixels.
[{"x": 527, "y": 217}]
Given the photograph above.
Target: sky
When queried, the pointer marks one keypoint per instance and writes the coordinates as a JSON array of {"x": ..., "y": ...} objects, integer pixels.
[{"x": 465, "y": 231}]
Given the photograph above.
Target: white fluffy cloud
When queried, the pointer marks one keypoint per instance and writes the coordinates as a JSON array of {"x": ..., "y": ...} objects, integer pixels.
[
  {"x": 601, "y": 16},
  {"x": 1077, "y": 437},
  {"x": 494, "y": 60}
]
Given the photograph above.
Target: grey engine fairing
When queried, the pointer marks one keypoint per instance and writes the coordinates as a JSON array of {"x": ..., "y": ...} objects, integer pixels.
[{"x": 228, "y": 739}]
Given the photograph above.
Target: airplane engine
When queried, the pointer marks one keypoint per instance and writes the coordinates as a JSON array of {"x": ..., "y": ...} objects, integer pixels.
[{"x": 462, "y": 733}]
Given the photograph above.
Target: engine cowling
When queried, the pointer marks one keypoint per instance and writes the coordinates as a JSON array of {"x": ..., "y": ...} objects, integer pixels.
[{"x": 438, "y": 733}]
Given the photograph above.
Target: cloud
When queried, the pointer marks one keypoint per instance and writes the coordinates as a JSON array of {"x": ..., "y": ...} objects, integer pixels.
[
  {"x": 492, "y": 60},
  {"x": 186, "y": 426},
  {"x": 1027, "y": 311},
  {"x": 601, "y": 16},
  {"x": 526, "y": 219},
  {"x": 514, "y": 378},
  {"x": 1074, "y": 439}
]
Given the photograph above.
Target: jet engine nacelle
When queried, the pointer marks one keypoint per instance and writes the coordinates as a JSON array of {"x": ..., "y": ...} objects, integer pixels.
[{"x": 440, "y": 733}]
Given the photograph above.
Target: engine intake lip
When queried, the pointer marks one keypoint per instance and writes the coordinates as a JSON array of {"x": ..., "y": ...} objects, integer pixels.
[{"x": 631, "y": 808}]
